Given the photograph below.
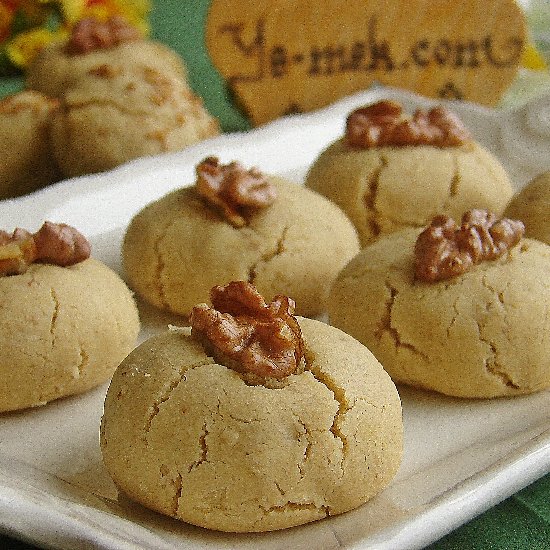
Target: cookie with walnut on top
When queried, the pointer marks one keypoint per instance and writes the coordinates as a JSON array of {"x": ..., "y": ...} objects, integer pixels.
[
  {"x": 66, "y": 319},
  {"x": 92, "y": 43},
  {"x": 461, "y": 308},
  {"x": 391, "y": 171},
  {"x": 113, "y": 114},
  {"x": 237, "y": 224},
  {"x": 251, "y": 420}
]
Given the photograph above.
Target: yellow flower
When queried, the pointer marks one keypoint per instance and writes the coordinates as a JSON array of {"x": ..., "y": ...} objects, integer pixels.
[
  {"x": 532, "y": 59},
  {"x": 24, "y": 47},
  {"x": 133, "y": 11},
  {"x": 38, "y": 14}
]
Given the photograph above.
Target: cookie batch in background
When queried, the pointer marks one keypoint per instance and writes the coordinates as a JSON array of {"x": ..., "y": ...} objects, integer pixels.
[{"x": 113, "y": 94}]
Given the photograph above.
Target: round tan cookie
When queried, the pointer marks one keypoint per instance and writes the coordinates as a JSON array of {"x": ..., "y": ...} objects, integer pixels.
[
  {"x": 112, "y": 115},
  {"x": 532, "y": 206},
  {"x": 385, "y": 189},
  {"x": 189, "y": 438},
  {"x": 54, "y": 71},
  {"x": 27, "y": 162},
  {"x": 177, "y": 248},
  {"x": 485, "y": 333},
  {"x": 63, "y": 330}
]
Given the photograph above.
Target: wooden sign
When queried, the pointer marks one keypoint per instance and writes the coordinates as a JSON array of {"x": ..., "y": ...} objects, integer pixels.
[{"x": 285, "y": 56}]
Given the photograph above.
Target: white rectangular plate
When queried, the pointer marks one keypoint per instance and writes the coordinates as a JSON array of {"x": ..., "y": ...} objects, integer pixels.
[{"x": 461, "y": 456}]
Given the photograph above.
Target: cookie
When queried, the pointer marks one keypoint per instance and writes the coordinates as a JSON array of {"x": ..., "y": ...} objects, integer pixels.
[
  {"x": 191, "y": 438},
  {"x": 112, "y": 115},
  {"x": 63, "y": 328},
  {"x": 60, "y": 64},
  {"x": 180, "y": 246},
  {"x": 389, "y": 172},
  {"x": 532, "y": 206},
  {"x": 484, "y": 332},
  {"x": 27, "y": 163}
]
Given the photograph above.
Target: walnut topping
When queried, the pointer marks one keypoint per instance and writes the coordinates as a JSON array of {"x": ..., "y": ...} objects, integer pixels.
[
  {"x": 444, "y": 250},
  {"x": 248, "y": 335},
  {"x": 17, "y": 252},
  {"x": 383, "y": 124},
  {"x": 90, "y": 34},
  {"x": 235, "y": 191},
  {"x": 53, "y": 243}
]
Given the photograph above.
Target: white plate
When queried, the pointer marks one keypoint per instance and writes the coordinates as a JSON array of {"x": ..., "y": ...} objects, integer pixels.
[{"x": 461, "y": 456}]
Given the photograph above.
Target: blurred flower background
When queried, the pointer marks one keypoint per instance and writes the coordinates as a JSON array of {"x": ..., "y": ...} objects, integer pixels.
[
  {"x": 26, "y": 26},
  {"x": 537, "y": 53}
]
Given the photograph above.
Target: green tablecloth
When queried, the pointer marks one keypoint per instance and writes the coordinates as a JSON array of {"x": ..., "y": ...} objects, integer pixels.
[{"x": 520, "y": 522}]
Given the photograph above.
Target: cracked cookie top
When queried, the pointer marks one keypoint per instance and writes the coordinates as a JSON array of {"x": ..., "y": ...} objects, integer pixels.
[
  {"x": 54, "y": 243},
  {"x": 391, "y": 172},
  {"x": 63, "y": 331},
  {"x": 177, "y": 248},
  {"x": 482, "y": 334},
  {"x": 178, "y": 425},
  {"x": 113, "y": 113},
  {"x": 383, "y": 124}
]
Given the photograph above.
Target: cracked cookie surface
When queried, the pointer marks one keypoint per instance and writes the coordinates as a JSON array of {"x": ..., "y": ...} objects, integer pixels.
[
  {"x": 532, "y": 206},
  {"x": 189, "y": 438},
  {"x": 54, "y": 71},
  {"x": 27, "y": 163},
  {"x": 114, "y": 114},
  {"x": 63, "y": 330},
  {"x": 177, "y": 248},
  {"x": 386, "y": 189},
  {"x": 485, "y": 333}
]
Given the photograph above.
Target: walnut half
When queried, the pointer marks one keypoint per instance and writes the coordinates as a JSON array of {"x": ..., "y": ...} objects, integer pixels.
[
  {"x": 232, "y": 189},
  {"x": 444, "y": 249},
  {"x": 247, "y": 334},
  {"x": 53, "y": 243},
  {"x": 90, "y": 34},
  {"x": 383, "y": 124}
]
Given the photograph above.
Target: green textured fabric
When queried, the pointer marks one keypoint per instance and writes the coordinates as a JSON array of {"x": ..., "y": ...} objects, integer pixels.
[
  {"x": 10, "y": 85},
  {"x": 521, "y": 522}
]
